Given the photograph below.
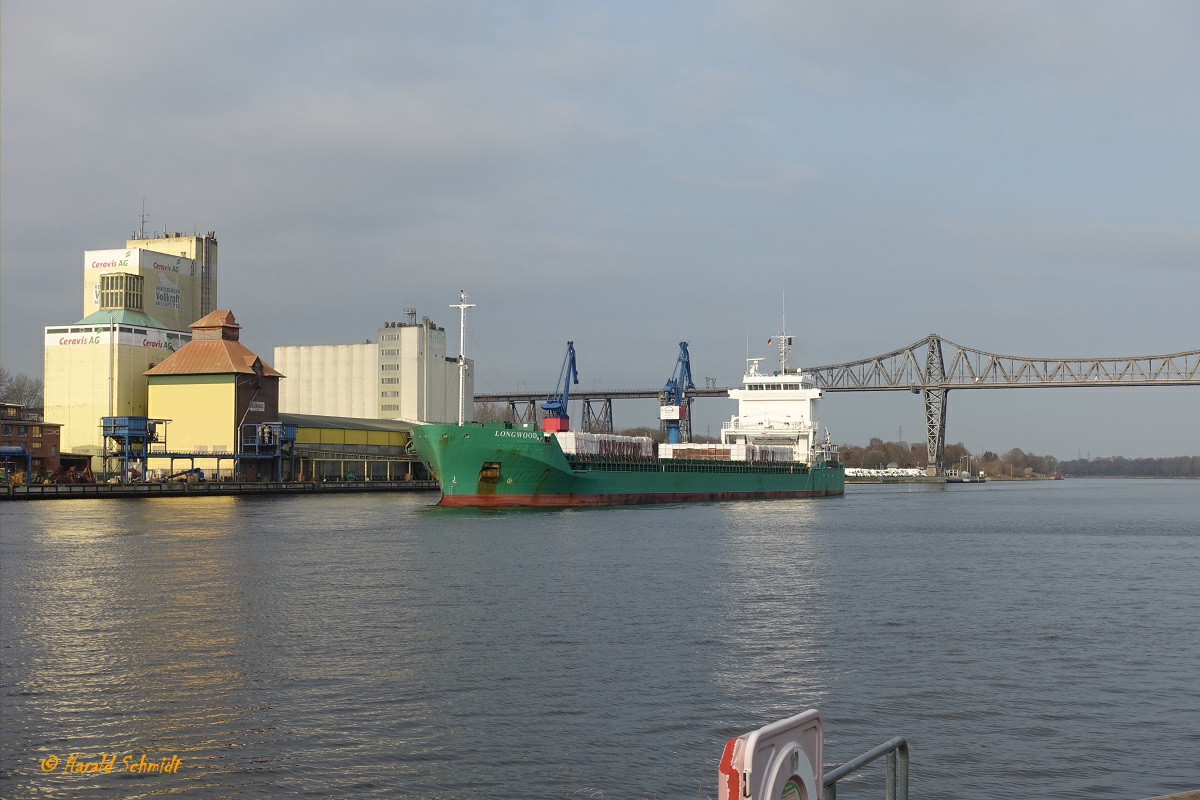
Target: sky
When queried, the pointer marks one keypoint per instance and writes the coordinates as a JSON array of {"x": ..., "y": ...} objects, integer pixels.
[{"x": 1018, "y": 177}]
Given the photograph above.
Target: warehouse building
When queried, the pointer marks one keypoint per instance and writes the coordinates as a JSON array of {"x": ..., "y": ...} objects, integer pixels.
[{"x": 348, "y": 448}]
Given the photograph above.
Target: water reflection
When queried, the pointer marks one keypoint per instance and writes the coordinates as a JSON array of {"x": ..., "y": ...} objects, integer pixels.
[
  {"x": 773, "y": 624},
  {"x": 130, "y": 637},
  {"x": 367, "y": 646}
]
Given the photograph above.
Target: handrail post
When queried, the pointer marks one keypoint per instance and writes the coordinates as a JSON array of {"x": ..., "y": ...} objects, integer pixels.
[{"x": 895, "y": 775}]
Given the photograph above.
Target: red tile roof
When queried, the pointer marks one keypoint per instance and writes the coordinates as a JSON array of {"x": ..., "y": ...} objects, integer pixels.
[
  {"x": 214, "y": 356},
  {"x": 220, "y": 318}
]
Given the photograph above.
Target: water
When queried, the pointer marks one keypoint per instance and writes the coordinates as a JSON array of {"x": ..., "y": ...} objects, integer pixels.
[{"x": 1030, "y": 639}]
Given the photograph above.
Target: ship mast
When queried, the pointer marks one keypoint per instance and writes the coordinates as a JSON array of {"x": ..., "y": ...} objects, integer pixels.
[
  {"x": 785, "y": 341},
  {"x": 462, "y": 307}
]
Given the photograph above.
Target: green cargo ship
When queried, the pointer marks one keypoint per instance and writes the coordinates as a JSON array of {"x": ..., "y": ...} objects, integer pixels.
[
  {"x": 502, "y": 464},
  {"x": 769, "y": 449}
]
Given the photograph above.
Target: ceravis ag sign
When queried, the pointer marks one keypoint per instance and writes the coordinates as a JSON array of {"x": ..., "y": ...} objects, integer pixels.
[
  {"x": 158, "y": 269},
  {"x": 135, "y": 259},
  {"x": 151, "y": 338}
]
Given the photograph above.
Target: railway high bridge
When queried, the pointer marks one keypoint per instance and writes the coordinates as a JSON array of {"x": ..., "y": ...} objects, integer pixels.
[{"x": 932, "y": 368}]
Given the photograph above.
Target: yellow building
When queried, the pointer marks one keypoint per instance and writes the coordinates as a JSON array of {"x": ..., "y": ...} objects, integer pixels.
[
  {"x": 202, "y": 250},
  {"x": 95, "y": 368},
  {"x": 210, "y": 388}
]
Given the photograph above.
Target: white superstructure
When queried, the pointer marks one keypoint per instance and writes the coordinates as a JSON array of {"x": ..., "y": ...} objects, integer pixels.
[{"x": 775, "y": 408}]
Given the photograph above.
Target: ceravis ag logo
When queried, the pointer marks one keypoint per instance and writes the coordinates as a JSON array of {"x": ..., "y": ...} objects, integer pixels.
[{"x": 116, "y": 262}]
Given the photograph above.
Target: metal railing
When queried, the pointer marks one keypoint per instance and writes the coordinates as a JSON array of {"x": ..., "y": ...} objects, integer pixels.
[{"x": 896, "y": 751}]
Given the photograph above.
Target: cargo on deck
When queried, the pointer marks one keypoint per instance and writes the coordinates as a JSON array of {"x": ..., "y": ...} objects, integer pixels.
[
  {"x": 727, "y": 452},
  {"x": 608, "y": 445}
]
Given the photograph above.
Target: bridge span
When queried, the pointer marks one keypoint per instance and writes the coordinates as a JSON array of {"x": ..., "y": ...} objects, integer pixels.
[{"x": 931, "y": 367}]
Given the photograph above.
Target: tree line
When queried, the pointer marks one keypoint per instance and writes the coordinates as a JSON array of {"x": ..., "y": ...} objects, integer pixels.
[
  {"x": 21, "y": 389},
  {"x": 1121, "y": 467},
  {"x": 1016, "y": 463}
]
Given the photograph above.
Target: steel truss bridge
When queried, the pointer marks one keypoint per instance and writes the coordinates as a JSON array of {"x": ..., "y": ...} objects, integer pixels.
[{"x": 931, "y": 367}]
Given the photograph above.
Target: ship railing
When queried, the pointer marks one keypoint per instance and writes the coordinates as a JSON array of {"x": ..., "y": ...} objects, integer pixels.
[
  {"x": 895, "y": 770},
  {"x": 774, "y": 426}
]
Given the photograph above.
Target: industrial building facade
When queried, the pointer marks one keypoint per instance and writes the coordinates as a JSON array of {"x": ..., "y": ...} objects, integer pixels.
[
  {"x": 175, "y": 275},
  {"x": 404, "y": 374},
  {"x": 96, "y": 369},
  {"x": 138, "y": 303}
]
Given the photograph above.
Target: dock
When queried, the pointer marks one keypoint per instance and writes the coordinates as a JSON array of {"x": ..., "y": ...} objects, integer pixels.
[{"x": 205, "y": 489}]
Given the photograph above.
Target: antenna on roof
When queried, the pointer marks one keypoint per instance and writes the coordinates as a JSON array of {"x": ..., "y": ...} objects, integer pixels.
[
  {"x": 785, "y": 341},
  {"x": 142, "y": 229}
]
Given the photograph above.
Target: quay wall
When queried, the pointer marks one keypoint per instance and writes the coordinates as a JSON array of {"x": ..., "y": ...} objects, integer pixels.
[{"x": 213, "y": 489}]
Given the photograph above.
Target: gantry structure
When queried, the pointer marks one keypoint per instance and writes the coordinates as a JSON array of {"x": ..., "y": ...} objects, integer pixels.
[{"x": 932, "y": 368}]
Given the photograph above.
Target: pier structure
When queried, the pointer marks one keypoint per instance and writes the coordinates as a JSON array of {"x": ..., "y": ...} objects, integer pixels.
[
  {"x": 134, "y": 442},
  {"x": 206, "y": 489}
]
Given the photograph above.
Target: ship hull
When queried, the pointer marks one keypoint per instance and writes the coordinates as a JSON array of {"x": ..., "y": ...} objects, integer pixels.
[{"x": 497, "y": 466}]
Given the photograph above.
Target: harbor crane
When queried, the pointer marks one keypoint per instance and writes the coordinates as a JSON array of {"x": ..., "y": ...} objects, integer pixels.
[
  {"x": 556, "y": 418},
  {"x": 675, "y": 403}
]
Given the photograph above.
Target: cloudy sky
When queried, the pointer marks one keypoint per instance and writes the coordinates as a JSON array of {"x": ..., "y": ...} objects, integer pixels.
[{"x": 1021, "y": 177}]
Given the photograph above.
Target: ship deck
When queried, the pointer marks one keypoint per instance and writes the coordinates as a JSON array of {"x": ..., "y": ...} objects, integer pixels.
[{"x": 688, "y": 465}]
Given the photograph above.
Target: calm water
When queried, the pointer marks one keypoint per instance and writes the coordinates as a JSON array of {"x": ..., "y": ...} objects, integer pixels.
[{"x": 1030, "y": 640}]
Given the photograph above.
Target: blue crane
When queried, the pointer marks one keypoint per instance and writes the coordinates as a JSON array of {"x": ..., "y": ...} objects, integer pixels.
[
  {"x": 556, "y": 418},
  {"x": 675, "y": 402}
]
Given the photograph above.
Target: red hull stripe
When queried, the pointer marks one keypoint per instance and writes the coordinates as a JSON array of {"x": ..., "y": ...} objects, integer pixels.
[{"x": 558, "y": 500}]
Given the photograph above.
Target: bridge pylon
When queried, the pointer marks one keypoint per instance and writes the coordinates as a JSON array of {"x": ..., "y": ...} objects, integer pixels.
[
  {"x": 524, "y": 411},
  {"x": 936, "y": 396},
  {"x": 597, "y": 421}
]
